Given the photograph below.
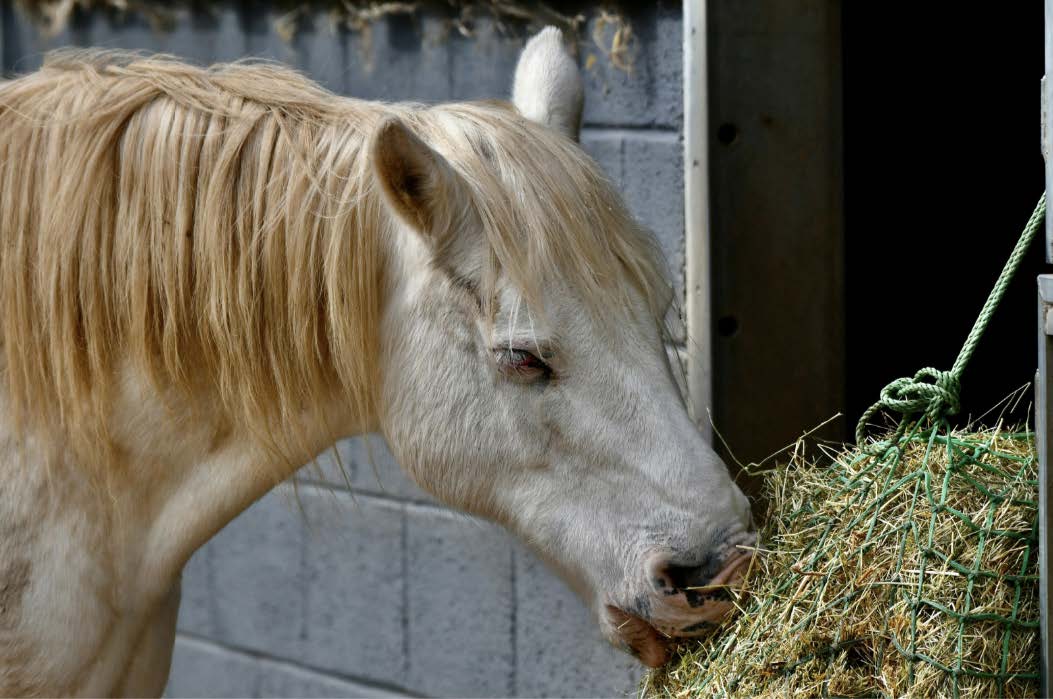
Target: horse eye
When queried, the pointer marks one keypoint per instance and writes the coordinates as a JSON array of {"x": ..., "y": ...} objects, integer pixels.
[{"x": 522, "y": 365}]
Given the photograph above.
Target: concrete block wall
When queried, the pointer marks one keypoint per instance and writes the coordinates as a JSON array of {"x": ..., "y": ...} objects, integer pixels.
[
  {"x": 377, "y": 588},
  {"x": 365, "y": 586}
]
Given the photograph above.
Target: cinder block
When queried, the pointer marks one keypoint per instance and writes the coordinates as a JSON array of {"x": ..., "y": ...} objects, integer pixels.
[
  {"x": 482, "y": 65},
  {"x": 460, "y": 605},
  {"x": 198, "y": 606},
  {"x": 255, "y": 586},
  {"x": 324, "y": 586},
  {"x": 113, "y": 30},
  {"x": 647, "y": 167},
  {"x": 261, "y": 38},
  {"x": 369, "y": 467},
  {"x": 653, "y": 184},
  {"x": 607, "y": 148},
  {"x": 283, "y": 680},
  {"x": 24, "y": 45},
  {"x": 205, "y": 670},
  {"x": 401, "y": 58},
  {"x": 207, "y": 36},
  {"x": 355, "y": 586},
  {"x": 650, "y": 93},
  {"x": 560, "y": 651},
  {"x": 320, "y": 49},
  {"x": 202, "y": 669},
  {"x": 202, "y": 37}
]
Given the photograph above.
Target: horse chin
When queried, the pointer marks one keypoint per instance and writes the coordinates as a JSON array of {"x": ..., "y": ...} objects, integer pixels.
[
  {"x": 674, "y": 614},
  {"x": 645, "y": 642}
]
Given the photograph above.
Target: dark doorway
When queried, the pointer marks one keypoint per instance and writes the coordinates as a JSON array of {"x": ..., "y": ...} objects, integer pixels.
[{"x": 942, "y": 169}]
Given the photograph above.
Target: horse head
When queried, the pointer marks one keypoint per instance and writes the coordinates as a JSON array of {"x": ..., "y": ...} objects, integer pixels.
[{"x": 525, "y": 376}]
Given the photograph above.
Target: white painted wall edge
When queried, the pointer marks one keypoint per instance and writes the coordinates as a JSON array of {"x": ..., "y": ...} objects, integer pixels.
[{"x": 698, "y": 289}]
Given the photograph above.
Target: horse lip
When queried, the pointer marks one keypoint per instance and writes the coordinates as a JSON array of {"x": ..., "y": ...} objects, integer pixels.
[
  {"x": 732, "y": 572},
  {"x": 651, "y": 639},
  {"x": 650, "y": 645},
  {"x": 699, "y": 610}
]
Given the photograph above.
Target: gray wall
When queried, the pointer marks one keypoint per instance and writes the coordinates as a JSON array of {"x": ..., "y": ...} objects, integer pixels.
[{"x": 374, "y": 588}]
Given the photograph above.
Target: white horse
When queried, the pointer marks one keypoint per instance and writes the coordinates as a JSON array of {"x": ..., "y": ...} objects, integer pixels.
[{"x": 206, "y": 276}]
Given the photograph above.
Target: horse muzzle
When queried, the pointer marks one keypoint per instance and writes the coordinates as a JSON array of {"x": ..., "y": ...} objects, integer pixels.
[{"x": 682, "y": 600}]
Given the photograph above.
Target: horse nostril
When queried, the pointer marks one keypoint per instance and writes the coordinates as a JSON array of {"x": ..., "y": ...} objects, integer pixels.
[
  {"x": 684, "y": 576},
  {"x": 671, "y": 577}
]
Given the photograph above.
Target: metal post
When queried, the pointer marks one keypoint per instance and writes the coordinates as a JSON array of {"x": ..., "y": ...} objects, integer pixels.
[
  {"x": 4, "y": 9},
  {"x": 1043, "y": 433},
  {"x": 1043, "y": 381},
  {"x": 1047, "y": 131},
  {"x": 696, "y": 215}
]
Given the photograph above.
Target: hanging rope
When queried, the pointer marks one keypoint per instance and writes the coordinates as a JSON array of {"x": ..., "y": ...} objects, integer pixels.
[{"x": 934, "y": 394}]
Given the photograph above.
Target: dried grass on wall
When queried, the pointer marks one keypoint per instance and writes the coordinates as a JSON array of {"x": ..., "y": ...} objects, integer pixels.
[{"x": 611, "y": 37}]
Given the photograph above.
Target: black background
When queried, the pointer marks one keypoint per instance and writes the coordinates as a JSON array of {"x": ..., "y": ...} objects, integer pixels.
[{"x": 942, "y": 169}]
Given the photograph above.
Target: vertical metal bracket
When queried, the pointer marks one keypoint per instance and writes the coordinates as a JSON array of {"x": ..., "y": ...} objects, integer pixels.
[
  {"x": 4, "y": 9},
  {"x": 1047, "y": 108},
  {"x": 1043, "y": 381},
  {"x": 1043, "y": 435},
  {"x": 1044, "y": 116},
  {"x": 696, "y": 215}
]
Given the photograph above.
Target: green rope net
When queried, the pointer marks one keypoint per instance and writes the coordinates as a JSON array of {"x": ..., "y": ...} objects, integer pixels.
[
  {"x": 907, "y": 567},
  {"x": 912, "y": 574}
]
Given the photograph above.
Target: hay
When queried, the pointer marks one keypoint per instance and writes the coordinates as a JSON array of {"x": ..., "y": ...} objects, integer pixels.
[
  {"x": 612, "y": 35},
  {"x": 53, "y": 16},
  {"x": 913, "y": 575}
]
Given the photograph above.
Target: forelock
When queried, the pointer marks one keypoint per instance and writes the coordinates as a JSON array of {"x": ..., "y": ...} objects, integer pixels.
[{"x": 549, "y": 212}]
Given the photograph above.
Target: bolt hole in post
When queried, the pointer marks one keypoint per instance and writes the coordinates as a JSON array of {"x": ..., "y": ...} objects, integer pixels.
[
  {"x": 727, "y": 134},
  {"x": 728, "y": 326}
]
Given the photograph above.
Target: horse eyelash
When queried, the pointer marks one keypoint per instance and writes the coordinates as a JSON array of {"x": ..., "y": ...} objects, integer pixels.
[
  {"x": 533, "y": 336},
  {"x": 541, "y": 354},
  {"x": 511, "y": 320},
  {"x": 546, "y": 372}
]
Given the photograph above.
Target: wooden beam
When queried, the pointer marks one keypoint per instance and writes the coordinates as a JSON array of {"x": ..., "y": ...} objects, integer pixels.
[{"x": 775, "y": 129}]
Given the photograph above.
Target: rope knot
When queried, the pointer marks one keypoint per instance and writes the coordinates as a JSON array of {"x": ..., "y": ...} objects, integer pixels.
[
  {"x": 930, "y": 391},
  {"x": 934, "y": 393}
]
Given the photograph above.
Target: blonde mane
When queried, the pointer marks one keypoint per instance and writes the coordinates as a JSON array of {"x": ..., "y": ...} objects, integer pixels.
[{"x": 222, "y": 228}]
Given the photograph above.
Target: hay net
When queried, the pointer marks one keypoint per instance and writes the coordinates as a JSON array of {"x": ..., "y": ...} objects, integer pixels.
[
  {"x": 906, "y": 567},
  {"x": 953, "y": 510},
  {"x": 912, "y": 573},
  {"x": 915, "y": 572}
]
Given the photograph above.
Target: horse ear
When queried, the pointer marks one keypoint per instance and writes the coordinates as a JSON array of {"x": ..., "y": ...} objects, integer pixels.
[
  {"x": 419, "y": 184},
  {"x": 548, "y": 88}
]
